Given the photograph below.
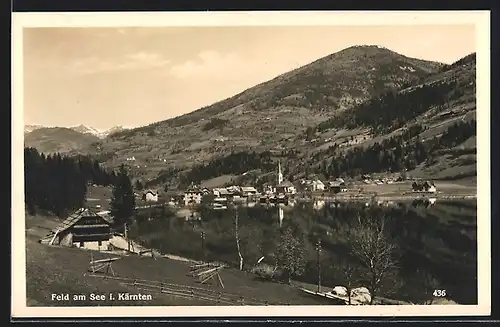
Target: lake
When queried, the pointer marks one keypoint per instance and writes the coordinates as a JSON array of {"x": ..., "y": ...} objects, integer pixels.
[{"x": 435, "y": 241}]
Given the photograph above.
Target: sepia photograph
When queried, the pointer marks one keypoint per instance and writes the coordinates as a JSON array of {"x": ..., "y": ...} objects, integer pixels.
[{"x": 254, "y": 164}]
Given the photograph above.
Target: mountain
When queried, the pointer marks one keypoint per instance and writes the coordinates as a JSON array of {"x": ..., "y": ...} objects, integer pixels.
[
  {"x": 431, "y": 124},
  {"x": 31, "y": 128},
  {"x": 101, "y": 134},
  {"x": 85, "y": 130},
  {"x": 112, "y": 130},
  {"x": 272, "y": 114},
  {"x": 365, "y": 109},
  {"x": 62, "y": 140}
]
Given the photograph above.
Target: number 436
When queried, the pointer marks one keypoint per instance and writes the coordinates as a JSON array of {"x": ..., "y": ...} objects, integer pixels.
[{"x": 439, "y": 293}]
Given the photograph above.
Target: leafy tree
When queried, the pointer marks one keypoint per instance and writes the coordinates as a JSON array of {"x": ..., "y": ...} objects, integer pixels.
[
  {"x": 290, "y": 253},
  {"x": 123, "y": 200}
]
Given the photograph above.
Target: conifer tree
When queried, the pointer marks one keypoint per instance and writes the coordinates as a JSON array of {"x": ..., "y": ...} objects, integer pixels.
[{"x": 123, "y": 200}]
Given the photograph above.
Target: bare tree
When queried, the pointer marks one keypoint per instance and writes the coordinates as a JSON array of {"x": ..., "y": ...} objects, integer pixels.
[
  {"x": 237, "y": 236},
  {"x": 375, "y": 250},
  {"x": 348, "y": 275}
]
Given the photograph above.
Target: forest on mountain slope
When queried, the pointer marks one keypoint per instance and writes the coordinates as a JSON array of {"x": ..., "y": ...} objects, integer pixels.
[
  {"x": 57, "y": 183},
  {"x": 394, "y": 109}
]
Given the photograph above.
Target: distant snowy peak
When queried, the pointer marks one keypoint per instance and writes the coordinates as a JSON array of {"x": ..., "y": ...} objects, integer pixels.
[
  {"x": 101, "y": 134},
  {"x": 85, "y": 130},
  {"x": 114, "y": 129},
  {"x": 31, "y": 128},
  {"x": 81, "y": 129}
]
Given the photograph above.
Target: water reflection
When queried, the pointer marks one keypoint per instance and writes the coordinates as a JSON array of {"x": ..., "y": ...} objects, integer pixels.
[
  {"x": 424, "y": 202},
  {"x": 319, "y": 204},
  {"x": 438, "y": 237}
]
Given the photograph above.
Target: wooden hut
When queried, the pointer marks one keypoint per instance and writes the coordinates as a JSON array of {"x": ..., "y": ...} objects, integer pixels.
[{"x": 85, "y": 229}]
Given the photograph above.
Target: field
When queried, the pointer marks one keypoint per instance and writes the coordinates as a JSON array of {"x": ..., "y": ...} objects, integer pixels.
[
  {"x": 58, "y": 270},
  {"x": 400, "y": 191},
  {"x": 443, "y": 188}
]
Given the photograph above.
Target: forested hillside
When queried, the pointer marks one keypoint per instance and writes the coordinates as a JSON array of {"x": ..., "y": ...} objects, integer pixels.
[{"x": 57, "y": 183}]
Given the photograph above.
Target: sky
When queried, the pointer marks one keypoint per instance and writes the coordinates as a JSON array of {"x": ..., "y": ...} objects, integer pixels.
[{"x": 105, "y": 77}]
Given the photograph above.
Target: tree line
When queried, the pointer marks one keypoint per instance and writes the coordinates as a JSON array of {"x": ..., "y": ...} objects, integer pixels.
[
  {"x": 235, "y": 163},
  {"x": 394, "y": 154},
  {"x": 469, "y": 58},
  {"x": 57, "y": 183},
  {"x": 393, "y": 109}
]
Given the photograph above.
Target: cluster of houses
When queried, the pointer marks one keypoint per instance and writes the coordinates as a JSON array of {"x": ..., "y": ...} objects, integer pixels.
[
  {"x": 426, "y": 187},
  {"x": 316, "y": 185},
  {"x": 281, "y": 192}
]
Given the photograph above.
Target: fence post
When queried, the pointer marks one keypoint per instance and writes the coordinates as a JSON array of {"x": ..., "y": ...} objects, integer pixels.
[
  {"x": 242, "y": 300},
  {"x": 135, "y": 282},
  {"x": 266, "y": 303},
  {"x": 161, "y": 287},
  {"x": 192, "y": 292},
  {"x": 218, "y": 298}
]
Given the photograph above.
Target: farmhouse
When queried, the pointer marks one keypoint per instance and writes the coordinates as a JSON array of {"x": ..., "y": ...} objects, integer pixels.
[
  {"x": 83, "y": 229},
  {"x": 336, "y": 187},
  {"x": 234, "y": 191},
  {"x": 317, "y": 185},
  {"x": 427, "y": 186},
  {"x": 285, "y": 187},
  {"x": 221, "y": 192},
  {"x": 150, "y": 196},
  {"x": 248, "y": 190},
  {"x": 192, "y": 196}
]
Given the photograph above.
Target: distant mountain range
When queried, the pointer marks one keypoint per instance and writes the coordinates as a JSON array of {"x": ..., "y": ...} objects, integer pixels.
[
  {"x": 353, "y": 98},
  {"x": 80, "y": 129}
]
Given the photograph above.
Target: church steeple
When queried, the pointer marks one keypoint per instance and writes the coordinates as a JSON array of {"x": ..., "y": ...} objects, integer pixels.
[{"x": 280, "y": 174}]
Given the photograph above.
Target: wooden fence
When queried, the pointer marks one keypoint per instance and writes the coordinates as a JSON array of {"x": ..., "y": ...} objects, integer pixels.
[{"x": 189, "y": 292}]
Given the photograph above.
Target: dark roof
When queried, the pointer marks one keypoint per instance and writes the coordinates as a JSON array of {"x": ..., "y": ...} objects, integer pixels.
[
  {"x": 285, "y": 184},
  {"x": 77, "y": 215}
]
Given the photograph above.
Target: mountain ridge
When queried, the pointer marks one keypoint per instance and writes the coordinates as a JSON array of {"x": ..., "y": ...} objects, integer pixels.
[
  {"x": 273, "y": 116},
  {"x": 210, "y": 110},
  {"x": 80, "y": 129}
]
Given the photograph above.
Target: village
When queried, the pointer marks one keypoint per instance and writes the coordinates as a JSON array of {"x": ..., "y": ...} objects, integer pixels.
[{"x": 287, "y": 193}]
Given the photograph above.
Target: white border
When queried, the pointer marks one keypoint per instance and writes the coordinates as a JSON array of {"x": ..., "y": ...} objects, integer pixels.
[{"x": 481, "y": 20}]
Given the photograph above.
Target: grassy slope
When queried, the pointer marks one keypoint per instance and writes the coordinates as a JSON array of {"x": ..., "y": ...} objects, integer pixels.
[
  {"x": 268, "y": 114},
  {"x": 52, "y": 269}
]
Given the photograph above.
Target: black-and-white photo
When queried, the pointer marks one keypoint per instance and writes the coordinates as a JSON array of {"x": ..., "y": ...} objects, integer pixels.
[{"x": 251, "y": 165}]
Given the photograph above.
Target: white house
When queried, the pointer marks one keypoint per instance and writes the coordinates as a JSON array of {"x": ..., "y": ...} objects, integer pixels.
[
  {"x": 192, "y": 197},
  {"x": 248, "y": 190},
  {"x": 221, "y": 192},
  {"x": 285, "y": 188},
  {"x": 150, "y": 196},
  {"x": 318, "y": 185}
]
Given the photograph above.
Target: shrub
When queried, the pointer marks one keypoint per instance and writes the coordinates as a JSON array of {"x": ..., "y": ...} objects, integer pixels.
[{"x": 264, "y": 271}]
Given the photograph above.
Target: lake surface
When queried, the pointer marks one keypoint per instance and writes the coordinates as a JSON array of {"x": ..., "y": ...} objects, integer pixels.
[{"x": 436, "y": 240}]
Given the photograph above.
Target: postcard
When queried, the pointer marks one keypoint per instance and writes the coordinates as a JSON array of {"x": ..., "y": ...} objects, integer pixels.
[{"x": 262, "y": 164}]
